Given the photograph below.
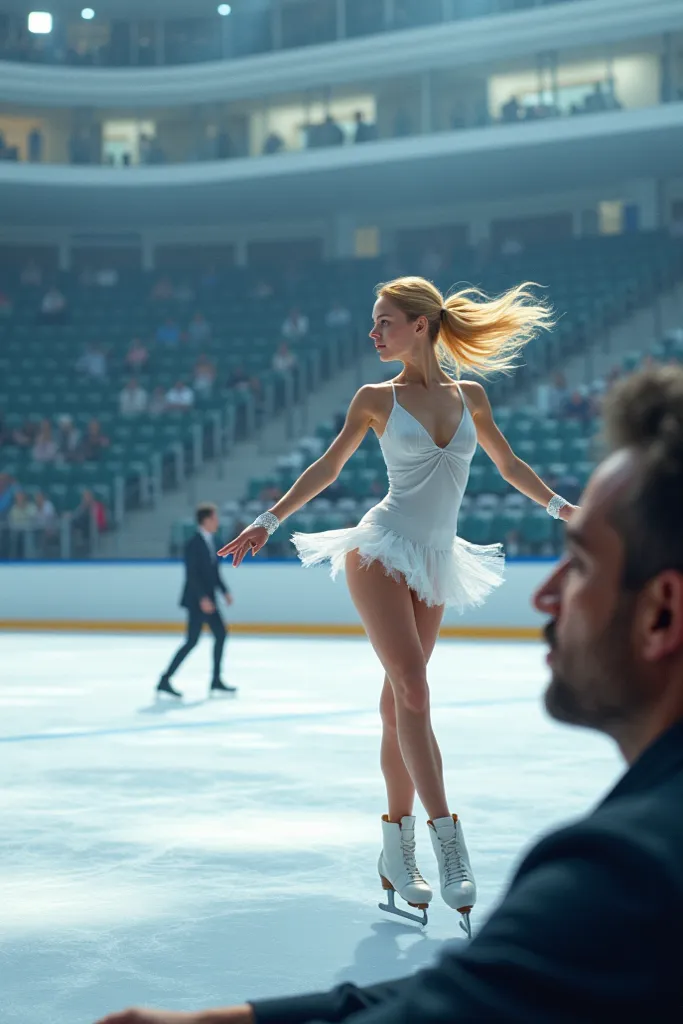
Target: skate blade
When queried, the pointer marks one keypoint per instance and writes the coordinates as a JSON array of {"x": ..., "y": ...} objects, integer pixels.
[
  {"x": 465, "y": 922},
  {"x": 391, "y": 908},
  {"x": 164, "y": 697}
]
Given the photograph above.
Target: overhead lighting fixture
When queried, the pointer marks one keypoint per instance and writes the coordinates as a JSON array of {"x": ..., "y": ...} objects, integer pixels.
[
  {"x": 224, "y": 10},
  {"x": 87, "y": 14},
  {"x": 40, "y": 23}
]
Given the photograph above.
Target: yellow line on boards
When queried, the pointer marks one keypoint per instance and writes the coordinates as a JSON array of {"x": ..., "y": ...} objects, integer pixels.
[{"x": 255, "y": 629}]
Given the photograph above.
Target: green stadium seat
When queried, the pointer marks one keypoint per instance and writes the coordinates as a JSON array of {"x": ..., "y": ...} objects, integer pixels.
[
  {"x": 578, "y": 449},
  {"x": 536, "y": 530},
  {"x": 477, "y": 528},
  {"x": 551, "y": 449},
  {"x": 526, "y": 449},
  {"x": 476, "y": 480},
  {"x": 582, "y": 471}
]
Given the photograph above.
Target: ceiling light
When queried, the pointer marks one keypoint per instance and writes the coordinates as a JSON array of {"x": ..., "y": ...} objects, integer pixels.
[
  {"x": 87, "y": 14},
  {"x": 224, "y": 9},
  {"x": 40, "y": 23}
]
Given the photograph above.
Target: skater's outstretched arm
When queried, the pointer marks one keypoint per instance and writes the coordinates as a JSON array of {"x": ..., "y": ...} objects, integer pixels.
[
  {"x": 495, "y": 444},
  {"x": 362, "y": 414}
]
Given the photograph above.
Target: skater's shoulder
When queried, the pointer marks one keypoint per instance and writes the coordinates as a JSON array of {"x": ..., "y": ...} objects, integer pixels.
[
  {"x": 375, "y": 397},
  {"x": 475, "y": 393}
]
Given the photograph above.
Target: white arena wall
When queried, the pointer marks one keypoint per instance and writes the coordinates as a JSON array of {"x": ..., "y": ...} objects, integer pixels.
[{"x": 270, "y": 597}]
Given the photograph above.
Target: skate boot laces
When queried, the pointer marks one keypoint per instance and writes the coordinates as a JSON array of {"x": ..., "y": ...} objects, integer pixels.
[
  {"x": 455, "y": 866},
  {"x": 408, "y": 851}
]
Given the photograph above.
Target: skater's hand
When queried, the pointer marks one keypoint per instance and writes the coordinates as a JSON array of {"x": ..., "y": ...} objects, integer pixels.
[
  {"x": 233, "y": 1015},
  {"x": 568, "y": 511},
  {"x": 207, "y": 606},
  {"x": 252, "y": 539},
  {"x": 229, "y": 599}
]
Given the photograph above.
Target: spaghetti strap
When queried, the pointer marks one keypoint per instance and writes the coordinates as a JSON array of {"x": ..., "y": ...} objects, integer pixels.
[
  {"x": 465, "y": 406},
  {"x": 393, "y": 391}
]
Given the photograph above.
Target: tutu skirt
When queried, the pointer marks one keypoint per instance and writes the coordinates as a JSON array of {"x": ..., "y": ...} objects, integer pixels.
[{"x": 459, "y": 576}]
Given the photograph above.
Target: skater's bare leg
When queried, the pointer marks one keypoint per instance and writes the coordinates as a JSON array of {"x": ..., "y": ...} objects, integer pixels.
[
  {"x": 400, "y": 788},
  {"x": 386, "y": 608}
]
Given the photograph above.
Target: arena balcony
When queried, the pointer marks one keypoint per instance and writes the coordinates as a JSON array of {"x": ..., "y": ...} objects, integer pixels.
[
  {"x": 597, "y": 150},
  {"x": 455, "y": 44},
  {"x": 144, "y": 33}
]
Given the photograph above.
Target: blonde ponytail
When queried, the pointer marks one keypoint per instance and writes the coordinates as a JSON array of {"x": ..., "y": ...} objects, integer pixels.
[{"x": 470, "y": 331}]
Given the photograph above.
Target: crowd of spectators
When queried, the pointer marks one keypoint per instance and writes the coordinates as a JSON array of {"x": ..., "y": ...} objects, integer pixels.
[
  {"x": 65, "y": 440},
  {"x": 58, "y": 442},
  {"x": 600, "y": 98},
  {"x": 30, "y": 524}
]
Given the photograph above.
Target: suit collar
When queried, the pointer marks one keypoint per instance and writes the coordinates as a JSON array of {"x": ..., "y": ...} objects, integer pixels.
[{"x": 662, "y": 758}]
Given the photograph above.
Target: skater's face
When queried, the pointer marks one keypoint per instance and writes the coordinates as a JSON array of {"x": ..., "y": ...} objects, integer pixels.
[
  {"x": 610, "y": 646},
  {"x": 396, "y": 337}
]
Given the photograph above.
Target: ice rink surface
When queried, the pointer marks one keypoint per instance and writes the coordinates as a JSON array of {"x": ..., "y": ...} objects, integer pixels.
[{"x": 207, "y": 853}]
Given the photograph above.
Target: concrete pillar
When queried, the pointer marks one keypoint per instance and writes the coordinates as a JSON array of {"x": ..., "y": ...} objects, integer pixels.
[
  {"x": 388, "y": 241},
  {"x": 341, "y": 19},
  {"x": 480, "y": 229},
  {"x": 276, "y": 24},
  {"x": 644, "y": 192},
  {"x": 342, "y": 237},
  {"x": 426, "y": 103},
  {"x": 64, "y": 254},
  {"x": 159, "y": 41},
  {"x": 241, "y": 252},
  {"x": 148, "y": 253}
]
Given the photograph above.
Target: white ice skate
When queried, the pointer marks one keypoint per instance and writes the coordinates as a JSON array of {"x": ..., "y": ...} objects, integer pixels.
[
  {"x": 457, "y": 880},
  {"x": 398, "y": 870}
]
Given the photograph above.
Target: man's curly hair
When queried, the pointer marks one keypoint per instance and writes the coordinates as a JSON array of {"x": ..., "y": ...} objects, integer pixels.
[{"x": 644, "y": 412}]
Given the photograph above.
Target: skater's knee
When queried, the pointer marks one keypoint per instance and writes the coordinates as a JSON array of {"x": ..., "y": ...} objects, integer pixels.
[
  {"x": 416, "y": 699},
  {"x": 410, "y": 688},
  {"x": 387, "y": 707}
]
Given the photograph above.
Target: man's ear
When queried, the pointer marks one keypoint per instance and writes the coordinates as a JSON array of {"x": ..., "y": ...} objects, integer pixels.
[{"x": 662, "y": 622}]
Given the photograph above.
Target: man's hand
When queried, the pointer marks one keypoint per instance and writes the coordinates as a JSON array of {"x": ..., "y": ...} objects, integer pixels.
[
  {"x": 229, "y": 599},
  {"x": 150, "y": 1017},
  {"x": 233, "y": 1015},
  {"x": 207, "y": 606}
]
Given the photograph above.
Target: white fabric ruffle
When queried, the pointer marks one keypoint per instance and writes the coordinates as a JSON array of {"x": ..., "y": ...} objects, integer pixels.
[{"x": 459, "y": 576}]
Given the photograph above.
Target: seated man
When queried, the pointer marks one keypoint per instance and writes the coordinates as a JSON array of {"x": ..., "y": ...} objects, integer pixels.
[{"x": 591, "y": 929}]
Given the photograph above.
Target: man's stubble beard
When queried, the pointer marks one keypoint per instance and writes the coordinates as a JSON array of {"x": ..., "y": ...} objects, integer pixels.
[{"x": 600, "y": 689}]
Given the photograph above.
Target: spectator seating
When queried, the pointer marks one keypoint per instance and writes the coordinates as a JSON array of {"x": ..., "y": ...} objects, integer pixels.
[
  {"x": 592, "y": 283},
  {"x": 146, "y": 455}
]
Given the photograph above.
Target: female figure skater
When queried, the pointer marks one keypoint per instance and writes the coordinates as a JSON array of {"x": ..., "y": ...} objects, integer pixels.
[{"x": 404, "y": 561}]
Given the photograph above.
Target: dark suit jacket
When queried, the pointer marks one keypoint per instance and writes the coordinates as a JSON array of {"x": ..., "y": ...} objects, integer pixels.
[
  {"x": 590, "y": 931},
  {"x": 202, "y": 578}
]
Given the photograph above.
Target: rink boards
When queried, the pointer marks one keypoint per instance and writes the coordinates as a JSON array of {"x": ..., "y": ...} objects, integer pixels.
[{"x": 278, "y": 598}]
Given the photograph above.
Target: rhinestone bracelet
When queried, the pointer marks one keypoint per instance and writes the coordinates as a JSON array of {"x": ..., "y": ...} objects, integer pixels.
[
  {"x": 268, "y": 521},
  {"x": 555, "y": 506}
]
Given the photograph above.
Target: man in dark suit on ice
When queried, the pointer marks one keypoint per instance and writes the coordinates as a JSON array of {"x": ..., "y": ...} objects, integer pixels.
[{"x": 202, "y": 580}]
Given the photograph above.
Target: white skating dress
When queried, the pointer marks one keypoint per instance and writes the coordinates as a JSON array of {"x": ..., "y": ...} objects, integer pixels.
[{"x": 413, "y": 530}]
